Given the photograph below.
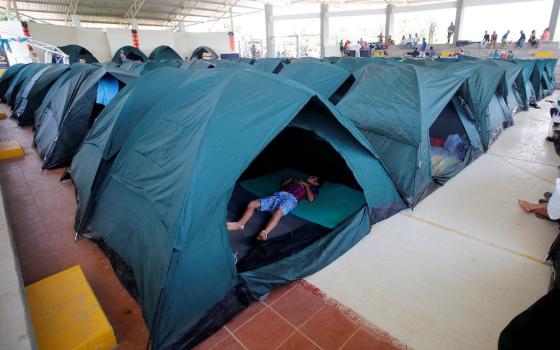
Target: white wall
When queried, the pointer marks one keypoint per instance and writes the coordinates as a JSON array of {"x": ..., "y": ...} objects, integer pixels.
[
  {"x": 103, "y": 43},
  {"x": 185, "y": 43},
  {"x": 150, "y": 39},
  {"x": 95, "y": 41}
]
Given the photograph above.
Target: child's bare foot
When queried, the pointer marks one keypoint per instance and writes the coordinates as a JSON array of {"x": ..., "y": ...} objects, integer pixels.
[
  {"x": 526, "y": 206},
  {"x": 234, "y": 226},
  {"x": 262, "y": 236}
]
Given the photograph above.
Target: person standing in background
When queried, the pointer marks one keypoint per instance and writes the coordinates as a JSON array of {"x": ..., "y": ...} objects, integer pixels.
[
  {"x": 505, "y": 38},
  {"x": 423, "y": 48},
  {"x": 521, "y": 41},
  {"x": 431, "y": 33},
  {"x": 545, "y": 35},
  {"x": 450, "y": 31},
  {"x": 533, "y": 39},
  {"x": 493, "y": 40},
  {"x": 485, "y": 40}
]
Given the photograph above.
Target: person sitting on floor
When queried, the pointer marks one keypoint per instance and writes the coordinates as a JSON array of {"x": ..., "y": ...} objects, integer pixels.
[
  {"x": 279, "y": 204},
  {"x": 548, "y": 208}
]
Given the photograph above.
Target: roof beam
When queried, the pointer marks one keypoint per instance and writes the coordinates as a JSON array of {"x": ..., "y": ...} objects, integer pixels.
[
  {"x": 70, "y": 11},
  {"x": 132, "y": 12}
]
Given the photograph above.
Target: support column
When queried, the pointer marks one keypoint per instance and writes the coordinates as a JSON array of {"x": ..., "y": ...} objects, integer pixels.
[
  {"x": 17, "y": 11},
  {"x": 9, "y": 9},
  {"x": 554, "y": 19},
  {"x": 231, "y": 20},
  {"x": 181, "y": 26},
  {"x": 458, "y": 20},
  {"x": 324, "y": 39},
  {"x": 76, "y": 21},
  {"x": 389, "y": 19},
  {"x": 269, "y": 25}
]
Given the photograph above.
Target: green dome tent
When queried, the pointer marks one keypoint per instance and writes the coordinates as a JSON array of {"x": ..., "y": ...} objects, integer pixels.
[
  {"x": 400, "y": 109},
  {"x": 327, "y": 79},
  {"x": 355, "y": 64},
  {"x": 484, "y": 93},
  {"x": 8, "y": 76},
  {"x": 165, "y": 222},
  {"x": 34, "y": 91},
  {"x": 64, "y": 122},
  {"x": 165, "y": 52},
  {"x": 77, "y": 52},
  {"x": 550, "y": 64},
  {"x": 18, "y": 81},
  {"x": 544, "y": 80},
  {"x": 528, "y": 67},
  {"x": 269, "y": 65},
  {"x": 516, "y": 95},
  {"x": 142, "y": 68},
  {"x": 247, "y": 60},
  {"x": 131, "y": 53},
  {"x": 230, "y": 64},
  {"x": 196, "y": 64},
  {"x": 199, "y": 52}
]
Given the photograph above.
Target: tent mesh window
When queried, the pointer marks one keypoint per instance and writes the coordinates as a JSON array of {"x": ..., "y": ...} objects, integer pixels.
[{"x": 293, "y": 153}]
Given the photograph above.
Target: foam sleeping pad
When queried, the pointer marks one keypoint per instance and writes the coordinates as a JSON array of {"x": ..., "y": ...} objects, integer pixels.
[{"x": 334, "y": 204}]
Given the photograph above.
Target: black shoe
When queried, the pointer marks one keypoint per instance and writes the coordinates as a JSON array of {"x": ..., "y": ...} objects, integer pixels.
[
  {"x": 547, "y": 195},
  {"x": 542, "y": 201}
]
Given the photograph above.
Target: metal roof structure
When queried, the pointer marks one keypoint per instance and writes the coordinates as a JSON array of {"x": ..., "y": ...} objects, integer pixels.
[{"x": 161, "y": 13}]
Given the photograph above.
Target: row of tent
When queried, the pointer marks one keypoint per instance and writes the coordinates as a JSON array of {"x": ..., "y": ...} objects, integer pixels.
[
  {"x": 161, "y": 53},
  {"x": 159, "y": 154}
]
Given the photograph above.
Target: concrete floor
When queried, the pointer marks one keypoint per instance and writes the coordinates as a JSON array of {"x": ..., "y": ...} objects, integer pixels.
[{"x": 452, "y": 273}]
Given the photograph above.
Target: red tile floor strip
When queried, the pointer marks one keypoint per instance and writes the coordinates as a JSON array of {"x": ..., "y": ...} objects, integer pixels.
[{"x": 40, "y": 210}]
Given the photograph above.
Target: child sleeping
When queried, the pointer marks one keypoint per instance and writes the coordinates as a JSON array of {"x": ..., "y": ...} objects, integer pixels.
[{"x": 279, "y": 204}]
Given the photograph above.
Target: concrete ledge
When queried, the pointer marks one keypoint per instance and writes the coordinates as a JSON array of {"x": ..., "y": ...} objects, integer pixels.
[{"x": 16, "y": 331}]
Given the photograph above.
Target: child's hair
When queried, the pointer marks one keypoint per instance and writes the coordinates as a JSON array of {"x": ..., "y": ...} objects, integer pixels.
[{"x": 320, "y": 180}]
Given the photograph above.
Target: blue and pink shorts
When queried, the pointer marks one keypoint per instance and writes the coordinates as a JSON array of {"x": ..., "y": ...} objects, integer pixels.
[{"x": 279, "y": 200}]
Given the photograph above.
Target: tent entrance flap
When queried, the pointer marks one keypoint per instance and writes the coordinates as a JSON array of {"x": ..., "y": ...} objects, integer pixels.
[
  {"x": 449, "y": 142},
  {"x": 454, "y": 141},
  {"x": 294, "y": 153}
]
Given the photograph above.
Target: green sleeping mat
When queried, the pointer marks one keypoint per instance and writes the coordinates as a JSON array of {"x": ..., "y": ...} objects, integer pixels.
[{"x": 335, "y": 203}]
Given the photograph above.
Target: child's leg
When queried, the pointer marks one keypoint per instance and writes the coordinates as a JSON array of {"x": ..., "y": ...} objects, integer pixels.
[
  {"x": 271, "y": 225},
  {"x": 240, "y": 224}
]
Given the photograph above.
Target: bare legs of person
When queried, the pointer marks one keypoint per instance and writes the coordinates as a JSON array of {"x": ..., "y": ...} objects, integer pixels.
[
  {"x": 247, "y": 215},
  {"x": 540, "y": 210},
  {"x": 251, "y": 207},
  {"x": 271, "y": 225}
]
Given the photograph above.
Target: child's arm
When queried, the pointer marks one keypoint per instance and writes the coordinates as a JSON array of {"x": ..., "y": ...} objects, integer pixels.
[
  {"x": 287, "y": 181},
  {"x": 308, "y": 193}
]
